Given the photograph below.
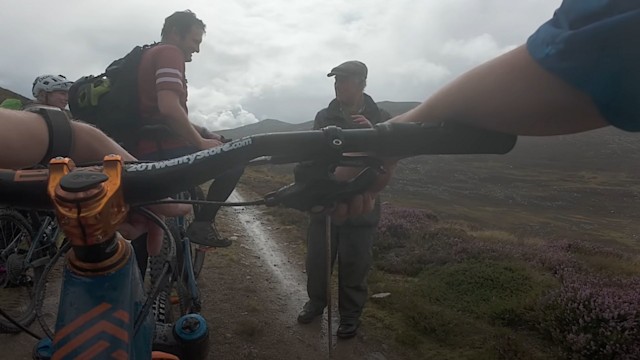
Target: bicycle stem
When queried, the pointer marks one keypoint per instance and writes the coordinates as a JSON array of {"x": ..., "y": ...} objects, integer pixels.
[{"x": 89, "y": 207}]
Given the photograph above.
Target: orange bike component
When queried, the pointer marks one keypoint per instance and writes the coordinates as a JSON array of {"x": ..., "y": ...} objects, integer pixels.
[
  {"x": 159, "y": 355},
  {"x": 89, "y": 217}
]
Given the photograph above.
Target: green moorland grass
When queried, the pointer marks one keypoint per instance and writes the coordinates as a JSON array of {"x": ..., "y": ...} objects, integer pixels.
[
  {"x": 540, "y": 200},
  {"x": 464, "y": 290}
]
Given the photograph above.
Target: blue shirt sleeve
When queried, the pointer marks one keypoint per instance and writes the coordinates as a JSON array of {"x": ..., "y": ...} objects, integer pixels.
[{"x": 594, "y": 45}]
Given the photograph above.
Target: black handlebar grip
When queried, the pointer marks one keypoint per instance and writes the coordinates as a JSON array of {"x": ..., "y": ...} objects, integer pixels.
[{"x": 446, "y": 138}]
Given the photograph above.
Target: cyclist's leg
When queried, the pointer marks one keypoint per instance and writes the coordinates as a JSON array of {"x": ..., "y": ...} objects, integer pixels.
[
  {"x": 220, "y": 190},
  {"x": 202, "y": 230},
  {"x": 140, "y": 243}
]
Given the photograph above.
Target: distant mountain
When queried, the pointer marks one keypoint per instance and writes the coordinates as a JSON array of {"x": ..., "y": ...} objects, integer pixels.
[
  {"x": 264, "y": 126},
  {"x": 397, "y": 108},
  {"x": 272, "y": 125}
]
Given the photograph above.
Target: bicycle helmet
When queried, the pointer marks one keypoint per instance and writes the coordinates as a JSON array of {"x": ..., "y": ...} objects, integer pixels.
[{"x": 49, "y": 83}]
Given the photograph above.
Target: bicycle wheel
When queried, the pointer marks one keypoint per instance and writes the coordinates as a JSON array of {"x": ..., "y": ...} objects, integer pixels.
[
  {"x": 47, "y": 293},
  {"x": 16, "y": 279},
  {"x": 161, "y": 306},
  {"x": 185, "y": 283},
  {"x": 197, "y": 252}
]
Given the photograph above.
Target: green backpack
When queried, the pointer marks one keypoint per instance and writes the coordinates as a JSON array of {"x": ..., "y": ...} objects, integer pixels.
[{"x": 110, "y": 100}]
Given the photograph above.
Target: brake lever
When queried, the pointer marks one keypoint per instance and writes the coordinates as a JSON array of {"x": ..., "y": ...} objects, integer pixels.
[{"x": 319, "y": 194}]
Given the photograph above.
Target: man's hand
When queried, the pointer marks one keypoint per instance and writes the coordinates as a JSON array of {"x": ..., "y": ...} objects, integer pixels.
[
  {"x": 209, "y": 143},
  {"x": 361, "y": 120},
  {"x": 138, "y": 224},
  {"x": 364, "y": 203},
  {"x": 208, "y": 139},
  {"x": 207, "y": 134}
]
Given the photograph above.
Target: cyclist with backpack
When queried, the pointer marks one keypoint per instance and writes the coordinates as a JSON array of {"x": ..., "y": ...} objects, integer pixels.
[
  {"x": 167, "y": 132},
  {"x": 141, "y": 101}
]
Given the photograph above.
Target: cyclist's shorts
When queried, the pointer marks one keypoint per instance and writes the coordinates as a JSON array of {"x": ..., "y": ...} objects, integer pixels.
[{"x": 593, "y": 45}]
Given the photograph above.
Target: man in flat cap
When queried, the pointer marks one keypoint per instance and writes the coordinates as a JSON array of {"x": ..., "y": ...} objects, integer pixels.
[{"x": 352, "y": 240}]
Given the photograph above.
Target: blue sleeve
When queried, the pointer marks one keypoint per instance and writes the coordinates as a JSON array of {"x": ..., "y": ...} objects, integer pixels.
[{"x": 594, "y": 45}]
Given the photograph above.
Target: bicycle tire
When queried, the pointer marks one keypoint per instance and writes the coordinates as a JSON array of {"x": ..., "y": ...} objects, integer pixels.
[
  {"x": 16, "y": 295},
  {"x": 181, "y": 285},
  {"x": 161, "y": 306},
  {"x": 178, "y": 284},
  {"x": 47, "y": 293},
  {"x": 179, "y": 281},
  {"x": 197, "y": 252}
]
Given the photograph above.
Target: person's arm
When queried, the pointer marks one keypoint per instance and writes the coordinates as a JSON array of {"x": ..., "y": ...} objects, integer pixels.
[
  {"x": 206, "y": 133},
  {"x": 178, "y": 120},
  {"x": 18, "y": 128},
  {"x": 512, "y": 94},
  {"x": 170, "y": 88}
]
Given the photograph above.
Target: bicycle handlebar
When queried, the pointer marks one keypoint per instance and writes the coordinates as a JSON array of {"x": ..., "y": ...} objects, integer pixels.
[{"x": 150, "y": 181}]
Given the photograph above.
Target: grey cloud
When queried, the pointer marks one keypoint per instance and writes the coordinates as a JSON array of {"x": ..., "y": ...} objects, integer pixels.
[{"x": 269, "y": 59}]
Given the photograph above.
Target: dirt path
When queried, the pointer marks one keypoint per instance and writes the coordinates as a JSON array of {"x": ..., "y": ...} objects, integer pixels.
[
  {"x": 261, "y": 285},
  {"x": 252, "y": 292}
]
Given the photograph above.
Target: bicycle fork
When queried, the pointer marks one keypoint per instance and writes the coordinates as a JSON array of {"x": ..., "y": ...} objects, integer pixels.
[{"x": 97, "y": 309}]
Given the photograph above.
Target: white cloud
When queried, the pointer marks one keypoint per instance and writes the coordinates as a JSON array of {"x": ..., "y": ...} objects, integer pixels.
[
  {"x": 265, "y": 59},
  {"x": 476, "y": 49}
]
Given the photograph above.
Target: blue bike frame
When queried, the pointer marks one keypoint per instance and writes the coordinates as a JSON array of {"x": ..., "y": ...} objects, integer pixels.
[{"x": 96, "y": 317}]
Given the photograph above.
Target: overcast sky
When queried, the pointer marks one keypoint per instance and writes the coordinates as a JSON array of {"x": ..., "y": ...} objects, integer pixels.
[{"x": 269, "y": 59}]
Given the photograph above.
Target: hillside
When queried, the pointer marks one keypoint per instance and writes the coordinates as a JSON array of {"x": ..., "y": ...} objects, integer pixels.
[
  {"x": 264, "y": 126},
  {"x": 571, "y": 185},
  {"x": 272, "y": 125},
  {"x": 397, "y": 108},
  {"x": 8, "y": 94}
]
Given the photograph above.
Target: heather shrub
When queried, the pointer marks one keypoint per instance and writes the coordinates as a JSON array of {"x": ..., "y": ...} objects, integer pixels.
[
  {"x": 400, "y": 248},
  {"x": 398, "y": 223},
  {"x": 592, "y": 317},
  {"x": 582, "y": 299}
]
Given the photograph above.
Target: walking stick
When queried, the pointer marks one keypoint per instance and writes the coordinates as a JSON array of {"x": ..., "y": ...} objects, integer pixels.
[{"x": 328, "y": 263}]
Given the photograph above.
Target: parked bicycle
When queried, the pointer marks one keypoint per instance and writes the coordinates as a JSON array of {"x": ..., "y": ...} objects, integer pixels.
[{"x": 24, "y": 252}]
